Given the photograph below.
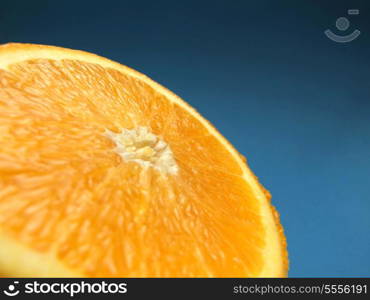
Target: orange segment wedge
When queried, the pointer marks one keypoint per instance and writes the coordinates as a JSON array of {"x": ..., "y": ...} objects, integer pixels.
[{"x": 105, "y": 173}]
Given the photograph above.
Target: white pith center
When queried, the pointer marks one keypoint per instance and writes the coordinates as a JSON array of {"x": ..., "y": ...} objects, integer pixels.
[{"x": 145, "y": 148}]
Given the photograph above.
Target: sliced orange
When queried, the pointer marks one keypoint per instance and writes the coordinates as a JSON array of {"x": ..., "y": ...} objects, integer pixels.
[{"x": 104, "y": 172}]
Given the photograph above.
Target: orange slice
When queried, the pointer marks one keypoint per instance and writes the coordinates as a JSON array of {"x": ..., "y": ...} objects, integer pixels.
[{"x": 104, "y": 172}]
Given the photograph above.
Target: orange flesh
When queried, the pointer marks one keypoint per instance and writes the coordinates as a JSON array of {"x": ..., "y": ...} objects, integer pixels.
[{"x": 64, "y": 190}]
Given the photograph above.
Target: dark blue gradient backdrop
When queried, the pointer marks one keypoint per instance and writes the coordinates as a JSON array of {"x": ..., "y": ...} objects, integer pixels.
[{"x": 291, "y": 100}]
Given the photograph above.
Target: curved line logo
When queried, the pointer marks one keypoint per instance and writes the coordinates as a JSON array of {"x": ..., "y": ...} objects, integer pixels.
[
  {"x": 12, "y": 291},
  {"x": 342, "y": 39},
  {"x": 342, "y": 24}
]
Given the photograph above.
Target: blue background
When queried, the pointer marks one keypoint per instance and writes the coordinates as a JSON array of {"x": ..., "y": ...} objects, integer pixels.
[{"x": 294, "y": 102}]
